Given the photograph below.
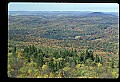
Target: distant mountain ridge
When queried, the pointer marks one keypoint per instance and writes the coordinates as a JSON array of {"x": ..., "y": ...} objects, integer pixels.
[
  {"x": 100, "y": 14},
  {"x": 96, "y": 14},
  {"x": 77, "y": 13}
]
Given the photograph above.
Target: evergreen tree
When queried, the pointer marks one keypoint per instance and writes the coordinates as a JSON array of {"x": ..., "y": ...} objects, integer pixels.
[
  {"x": 40, "y": 59},
  {"x": 87, "y": 54},
  {"x": 51, "y": 65},
  {"x": 14, "y": 51},
  {"x": 97, "y": 58},
  {"x": 101, "y": 59},
  {"x": 112, "y": 63},
  {"x": 91, "y": 55},
  {"x": 30, "y": 51},
  {"x": 56, "y": 54},
  {"x": 82, "y": 57},
  {"x": 27, "y": 53}
]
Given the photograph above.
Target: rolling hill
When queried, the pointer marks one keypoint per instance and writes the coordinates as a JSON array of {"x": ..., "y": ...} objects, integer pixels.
[{"x": 94, "y": 28}]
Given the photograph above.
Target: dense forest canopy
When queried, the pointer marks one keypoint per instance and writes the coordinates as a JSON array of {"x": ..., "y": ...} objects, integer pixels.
[{"x": 63, "y": 44}]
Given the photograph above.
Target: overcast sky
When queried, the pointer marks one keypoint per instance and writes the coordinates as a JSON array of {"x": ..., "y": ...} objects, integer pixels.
[{"x": 96, "y": 7}]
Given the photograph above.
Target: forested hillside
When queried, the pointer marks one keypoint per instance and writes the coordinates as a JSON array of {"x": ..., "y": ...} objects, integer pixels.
[{"x": 63, "y": 44}]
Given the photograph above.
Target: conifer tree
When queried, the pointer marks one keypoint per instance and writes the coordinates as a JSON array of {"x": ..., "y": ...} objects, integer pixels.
[
  {"x": 97, "y": 58},
  {"x": 40, "y": 59},
  {"x": 14, "y": 51}
]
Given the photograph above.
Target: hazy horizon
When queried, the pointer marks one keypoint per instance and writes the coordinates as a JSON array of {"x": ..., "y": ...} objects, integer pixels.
[
  {"x": 82, "y": 7},
  {"x": 58, "y": 11}
]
